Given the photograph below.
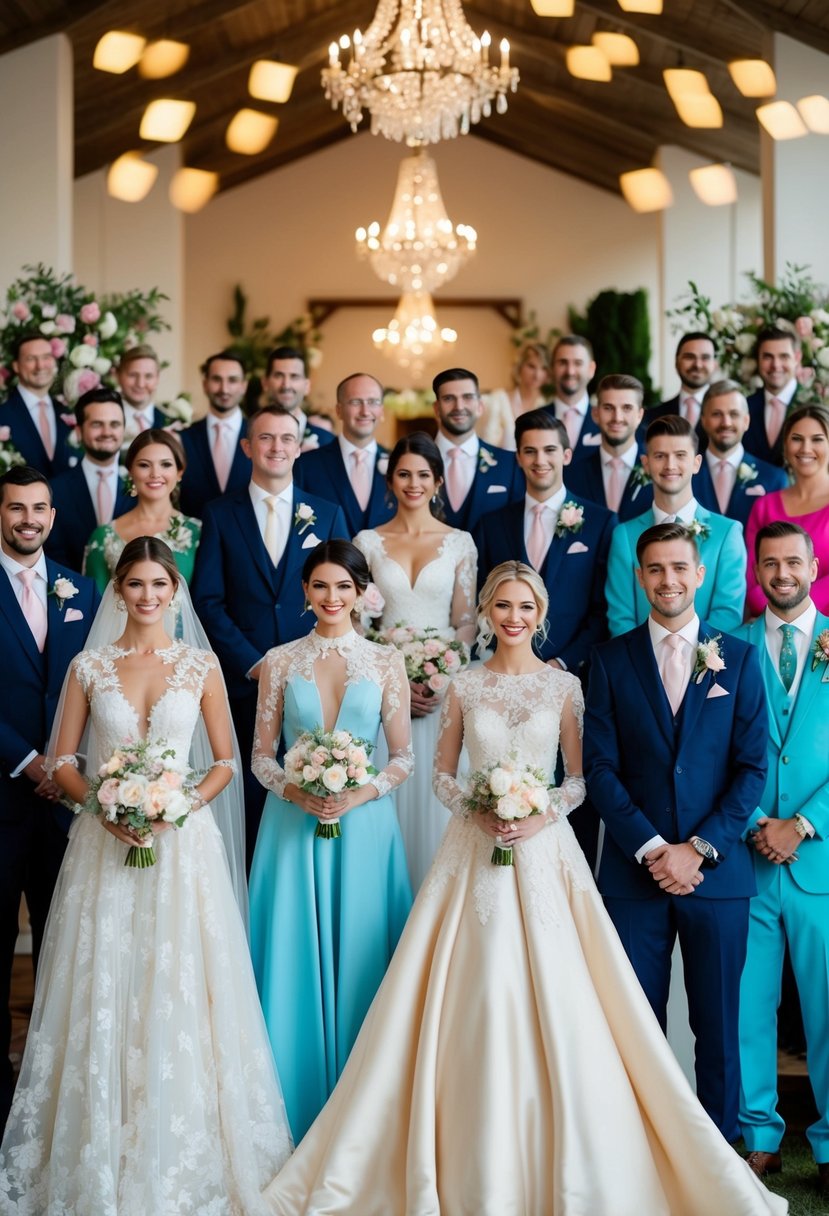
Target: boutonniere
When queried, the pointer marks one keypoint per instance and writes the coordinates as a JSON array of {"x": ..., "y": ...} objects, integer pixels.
[
  {"x": 638, "y": 479},
  {"x": 709, "y": 658},
  {"x": 486, "y": 460},
  {"x": 570, "y": 518},
  {"x": 820, "y": 653},
  {"x": 698, "y": 529},
  {"x": 9, "y": 455},
  {"x": 62, "y": 589},
  {"x": 745, "y": 473},
  {"x": 304, "y": 517},
  {"x": 68, "y": 420},
  {"x": 382, "y": 465},
  {"x": 310, "y": 443}
]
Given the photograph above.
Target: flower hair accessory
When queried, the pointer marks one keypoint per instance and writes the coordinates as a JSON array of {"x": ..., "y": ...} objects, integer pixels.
[{"x": 709, "y": 658}]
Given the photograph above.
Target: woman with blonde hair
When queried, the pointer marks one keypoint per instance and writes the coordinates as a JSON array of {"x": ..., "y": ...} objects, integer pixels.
[{"x": 502, "y": 407}]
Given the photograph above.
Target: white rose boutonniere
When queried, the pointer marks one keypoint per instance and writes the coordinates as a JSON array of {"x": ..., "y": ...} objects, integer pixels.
[
  {"x": 698, "y": 529},
  {"x": 304, "y": 517},
  {"x": 570, "y": 518},
  {"x": 486, "y": 461},
  {"x": 638, "y": 479},
  {"x": 709, "y": 658},
  {"x": 62, "y": 589},
  {"x": 310, "y": 443},
  {"x": 382, "y": 465},
  {"x": 745, "y": 473}
]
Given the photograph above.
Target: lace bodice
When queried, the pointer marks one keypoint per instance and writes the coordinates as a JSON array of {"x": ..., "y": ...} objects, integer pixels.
[
  {"x": 443, "y": 595},
  {"x": 375, "y": 690}
]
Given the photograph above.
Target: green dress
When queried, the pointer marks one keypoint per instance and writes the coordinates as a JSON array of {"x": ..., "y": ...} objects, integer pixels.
[{"x": 105, "y": 546}]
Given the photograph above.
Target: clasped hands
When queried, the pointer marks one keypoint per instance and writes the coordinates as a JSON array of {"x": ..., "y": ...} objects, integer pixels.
[
  {"x": 423, "y": 702},
  {"x": 508, "y": 832},
  {"x": 777, "y": 839},
  {"x": 326, "y": 809},
  {"x": 675, "y": 867}
]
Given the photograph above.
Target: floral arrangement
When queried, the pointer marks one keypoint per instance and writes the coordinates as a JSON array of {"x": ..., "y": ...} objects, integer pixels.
[
  {"x": 9, "y": 455},
  {"x": 798, "y": 305},
  {"x": 87, "y": 334},
  {"x": 431, "y": 659},
  {"x": 410, "y": 402},
  {"x": 254, "y": 341},
  {"x": 820, "y": 652},
  {"x": 328, "y": 762},
  {"x": 511, "y": 792},
  {"x": 708, "y": 658},
  {"x": 142, "y": 784}
]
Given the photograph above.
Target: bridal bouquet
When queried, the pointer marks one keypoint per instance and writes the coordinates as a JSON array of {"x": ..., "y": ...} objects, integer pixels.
[
  {"x": 139, "y": 785},
  {"x": 512, "y": 792},
  {"x": 431, "y": 658},
  {"x": 328, "y": 762}
]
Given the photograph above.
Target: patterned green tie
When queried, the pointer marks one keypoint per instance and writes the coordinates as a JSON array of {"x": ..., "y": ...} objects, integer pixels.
[{"x": 787, "y": 666}]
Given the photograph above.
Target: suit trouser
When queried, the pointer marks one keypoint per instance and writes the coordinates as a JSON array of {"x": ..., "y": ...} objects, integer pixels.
[
  {"x": 781, "y": 913},
  {"x": 712, "y": 936}
]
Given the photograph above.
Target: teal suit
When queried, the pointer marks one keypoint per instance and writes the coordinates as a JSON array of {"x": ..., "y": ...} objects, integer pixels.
[
  {"x": 719, "y": 600},
  {"x": 792, "y": 904}
]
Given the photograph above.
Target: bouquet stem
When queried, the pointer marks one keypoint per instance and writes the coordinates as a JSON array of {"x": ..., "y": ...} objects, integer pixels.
[
  {"x": 502, "y": 855},
  {"x": 329, "y": 831},
  {"x": 140, "y": 856}
]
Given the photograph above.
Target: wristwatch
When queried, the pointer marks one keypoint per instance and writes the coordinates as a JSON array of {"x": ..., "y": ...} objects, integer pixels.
[{"x": 710, "y": 856}]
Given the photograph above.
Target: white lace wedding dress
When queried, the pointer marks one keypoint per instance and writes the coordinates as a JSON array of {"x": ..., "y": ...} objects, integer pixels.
[
  {"x": 510, "y": 1064},
  {"x": 443, "y": 597},
  {"x": 147, "y": 1086}
]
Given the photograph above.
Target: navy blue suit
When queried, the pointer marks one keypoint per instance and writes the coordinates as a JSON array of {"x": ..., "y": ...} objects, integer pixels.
[
  {"x": 573, "y": 572},
  {"x": 589, "y": 436},
  {"x": 755, "y": 439},
  {"x": 497, "y": 481},
  {"x": 671, "y": 406},
  {"x": 322, "y": 435},
  {"x": 701, "y": 773},
  {"x": 75, "y": 516},
  {"x": 585, "y": 479},
  {"x": 33, "y": 829},
  {"x": 247, "y": 605},
  {"x": 200, "y": 485},
  {"x": 323, "y": 472},
  {"x": 745, "y": 493},
  {"x": 25, "y": 436}
]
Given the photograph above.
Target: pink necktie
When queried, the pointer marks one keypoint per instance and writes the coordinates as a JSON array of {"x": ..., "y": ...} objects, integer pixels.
[
  {"x": 674, "y": 671},
  {"x": 537, "y": 540},
  {"x": 722, "y": 485},
  {"x": 360, "y": 482},
  {"x": 142, "y": 422},
  {"x": 45, "y": 428},
  {"x": 776, "y": 420},
  {"x": 222, "y": 458},
  {"x": 616, "y": 483},
  {"x": 33, "y": 608},
  {"x": 572, "y": 421},
  {"x": 104, "y": 497},
  {"x": 691, "y": 410},
  {"x": 454, "y": 485}
]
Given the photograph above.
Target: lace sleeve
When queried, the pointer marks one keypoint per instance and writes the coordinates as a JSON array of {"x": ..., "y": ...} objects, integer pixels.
[
  {"x": 572, "y": 791},
  {"x": 268, "y": 727},
  {"x": 450, "y": 740},
  {"x": 396, "y": 726},
  {"x": 463, "y": 595}
]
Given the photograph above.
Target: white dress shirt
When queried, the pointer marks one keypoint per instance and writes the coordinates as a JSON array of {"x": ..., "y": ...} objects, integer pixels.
[
  {"x": 629, "y": 459},
  {"x": 685, "y": 515},
  {"x": 467, "y": 462},
  {"x": 40, "y": 587},
  {"x": 32, "y": 403},
  {"x": 561, "y": 407}
]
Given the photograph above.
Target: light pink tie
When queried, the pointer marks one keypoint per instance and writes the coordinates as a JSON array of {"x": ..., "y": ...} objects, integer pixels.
[
  {"x": 33, "y": 608},
  {"x": 142, "y": 422},
  {"x": 616, "y": 483},
  {"x": 572, "y": 421},
  {"x": 776, "y": 420},
  {"x": 722, "y": 485},
  {"x": 360, "y": 480},
  {"x": 104, "y": 497},
  {"x": 537, "y": 540},
  {"x": 44, "y": 428},
  {"x": 222, "y": 456},
  {"x": 691, "y": 410},
  {"x": 454, "y": 485},
  {"x": 675, "y": 671}
]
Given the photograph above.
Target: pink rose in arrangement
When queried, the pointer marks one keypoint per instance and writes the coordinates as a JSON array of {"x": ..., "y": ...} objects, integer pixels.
[
  {"x": 571, "y": 516},
  {"x": 373, "y": 600},
  {"x": 58, "y": 347},
  {"x": 172, "y": 779},
  {"x": 339, "y": 753},
  {"x": 437, "y": 682},
  {"x": 90, "y": 313},
  {"x": 5, "y": 434},
  {"x": 432, "y": 647},
  {"x": 311, "y": 773},
  {"x": 805, "y": 375},
  {"x": 65, "y": 323},
  {"x": 90, "y": 339},
  {"x": 5, "y": 374},
  {"x": 319, "y": 756},
  {"x": 804, "y": 327},
  {"x": 108, "y": 793},
  {"x": 20, "y": 310},
  {"x": 429, "y": 668},
  {"x": 452, "y": 661}
]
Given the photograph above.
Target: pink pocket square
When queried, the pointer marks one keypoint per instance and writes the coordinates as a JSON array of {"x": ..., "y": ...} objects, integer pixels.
[
  {"x": 716, "y": 690},
  {"x": 578, "y": 547},
  {"x": 755, "y": 491},
  {"x": 73, "y": 614}
]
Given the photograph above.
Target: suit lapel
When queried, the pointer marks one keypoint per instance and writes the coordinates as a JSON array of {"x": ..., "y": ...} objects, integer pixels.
[
  {"x": 809, "y": 682},
  {"x": 18, "y": 625},
  {"x": 377, "y": 497},
  {"x": 249, "y": 528},
  {"x": 55, "y": 637},
  {"x": 645, "y": 670},
  {"x": 291, "y": 559},
  {"x": 757, "y": 635}
]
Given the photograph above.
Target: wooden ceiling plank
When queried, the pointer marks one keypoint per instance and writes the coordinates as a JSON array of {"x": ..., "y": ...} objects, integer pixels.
[{"x": 773, "y": 17}]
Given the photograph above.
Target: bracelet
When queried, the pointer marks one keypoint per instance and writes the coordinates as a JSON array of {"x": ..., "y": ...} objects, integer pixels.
[
  {"x": 197, "y": 800},
  {"x": 800, "y": 826}
]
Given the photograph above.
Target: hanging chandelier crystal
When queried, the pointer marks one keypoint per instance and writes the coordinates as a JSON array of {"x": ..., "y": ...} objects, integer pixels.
[
  {"x": 413, "y": 338},
  {"x": 420, "y": 71},
  {"x": 420, "y": 248}
]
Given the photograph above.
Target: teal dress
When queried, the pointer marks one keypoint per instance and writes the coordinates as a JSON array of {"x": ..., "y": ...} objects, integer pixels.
[
  {"x": 325, "y": 915},
  {"x": 105, "y": 546}
]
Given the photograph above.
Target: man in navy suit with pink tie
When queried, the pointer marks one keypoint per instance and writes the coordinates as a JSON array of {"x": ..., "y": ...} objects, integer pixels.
[{"x": 216, "y": 461}]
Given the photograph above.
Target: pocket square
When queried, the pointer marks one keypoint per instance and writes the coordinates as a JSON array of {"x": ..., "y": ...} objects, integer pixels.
[
  {"x": 755, "y": 491},
  {"x": 716, "y": 690},
  {"x": 592, "y": 441},
  {"x": 496, "y": 489},
  {"x": 73, "y": 614},
  {"x": 578, "y": 547},
  {"x": 310, "y": 541}
]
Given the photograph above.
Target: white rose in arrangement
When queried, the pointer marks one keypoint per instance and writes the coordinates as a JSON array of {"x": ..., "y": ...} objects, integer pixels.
[
  {"x": 745, "y": 343},
  {"x": 181, "y": 410},
  {"x": 512, "y": 806},
  {"x": 823, "y": 356},
  {"x": 108, "y": 326},
  {"x": 719, "y": 319},
  {"x": 304, "y": 511},
  {"x": 334, "y": 778},
  {"x": 133, "y": 790},
  {"x": 500, "y": 781},
  {"x": 102, "y": 365},
  {"x": 177, "y": 805},
  {"x": 341, "y": 738},
  {"x": 82, "y": 355},
  {"x": 538, "y": 798},
  {"x": 310, "y": 773},
  {"x": 47, "y": 328},
  {"x": 820, "y": 316}
]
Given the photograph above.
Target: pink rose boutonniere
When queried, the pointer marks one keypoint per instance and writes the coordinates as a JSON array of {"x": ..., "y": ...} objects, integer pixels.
[
  {"x": 820, "y": 653},
  {"x": 709, "y": 658},
  {"x": 62, "y": 589},
  {"x": 570, "y": 518}
]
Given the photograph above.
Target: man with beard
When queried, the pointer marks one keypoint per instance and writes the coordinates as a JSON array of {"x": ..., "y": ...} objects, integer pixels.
[
  {"x": 46, "y": 612},
  {"x": 778, "y": 362},
  {"x": 216, "y": 461},
  {"x": 39, "y": 430},
  {"x": 696, "y": 364},
  {"x": 730, "y": 480},
  {"x": 92, "y": 493},
  {"x": 790, "y": 837},
  {"x": 612, "y": 474},
  {"x": 479, "y": 477},
  {"x": 573, "y": 369},
  {"x": 286, "y": 384}
]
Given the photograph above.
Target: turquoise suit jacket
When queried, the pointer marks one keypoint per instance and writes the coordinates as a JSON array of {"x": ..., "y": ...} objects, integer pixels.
[
  {"x": 798, "y": 774},
  {"x": 719, "y": 600}
]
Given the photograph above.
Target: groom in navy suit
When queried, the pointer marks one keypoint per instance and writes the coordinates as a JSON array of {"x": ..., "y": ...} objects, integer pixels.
[
  {"x": 216, "y": 461},
  {"x": 45, "y": 622},
  {"x": 247, "y": 585},
  {"x": 675, "y": 756}
]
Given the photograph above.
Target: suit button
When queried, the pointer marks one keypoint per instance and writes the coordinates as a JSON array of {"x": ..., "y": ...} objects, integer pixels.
[
  {"x": 785, "y": 713},
  {"x": 784, "y": 797},
  {"x": 679, "y": 768},
  {"x": 785, "y": 759}
]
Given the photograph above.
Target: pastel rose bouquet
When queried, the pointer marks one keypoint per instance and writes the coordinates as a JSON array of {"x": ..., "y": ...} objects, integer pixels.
[
  {"x": 328, "y": 762},
  {"x": 431, "y": 658},
  {"x": 139, "y": 785},
  {"x": 511, "y": 792}
]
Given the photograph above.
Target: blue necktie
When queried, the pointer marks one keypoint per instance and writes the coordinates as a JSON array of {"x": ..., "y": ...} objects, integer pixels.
[{"x": 787, "y": 664}]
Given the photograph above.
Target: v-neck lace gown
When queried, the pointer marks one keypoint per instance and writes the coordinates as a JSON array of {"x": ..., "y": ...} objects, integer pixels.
[
  {"x": 325, "y": 915},
  {"x": 147, "y": 1087}
]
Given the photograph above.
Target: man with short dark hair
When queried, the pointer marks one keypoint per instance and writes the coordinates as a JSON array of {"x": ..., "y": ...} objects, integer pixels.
[
  {"x": 138, "y": 374},
  {"x": 40, "y": 431},
  {"x": 216, "y": 462},
  {"x": 286, "y": 383},
  {"x": 778, "y": 360},
  {"x": 696, "y": 365},
  {"x": 573, "y": 367},
  {"x": 612, "y": 474}
]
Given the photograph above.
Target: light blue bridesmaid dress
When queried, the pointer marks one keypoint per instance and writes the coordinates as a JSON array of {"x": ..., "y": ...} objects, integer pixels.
[{"x": 325, "y": 915}]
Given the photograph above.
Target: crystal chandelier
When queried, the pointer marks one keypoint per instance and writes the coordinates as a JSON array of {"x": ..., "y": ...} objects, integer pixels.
[
  {"x": 420, "y": 248},
  {"x": 412, "y": 338},
  {"x": 420, "y": 71}
]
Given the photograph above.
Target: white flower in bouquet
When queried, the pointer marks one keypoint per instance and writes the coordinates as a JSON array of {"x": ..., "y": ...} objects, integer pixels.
[
  {"x": 108, "y": 326},
  {"x": 335, "y": 778},
  {"x": 177, "y": 806},
  {"x": 133, "y": 790},
  {"x": 745, "y": 343},
  {"x": 83, "y": 355},
  {"x": 325, "y": 763},
  {"x": 500, "y": 780}
]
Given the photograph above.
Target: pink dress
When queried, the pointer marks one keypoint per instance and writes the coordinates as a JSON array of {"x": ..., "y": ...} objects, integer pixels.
[{"x": 767, "y": 510}]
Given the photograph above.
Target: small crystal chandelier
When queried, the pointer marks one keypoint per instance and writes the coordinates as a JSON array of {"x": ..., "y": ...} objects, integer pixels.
[
  {"x": 412, "y": 338},
  {"x": 420, "y": 71},
  {"x": 420, "y": 248}
]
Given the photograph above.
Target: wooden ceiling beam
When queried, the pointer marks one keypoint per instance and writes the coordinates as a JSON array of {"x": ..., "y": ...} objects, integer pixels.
[{"x": 773, "y": 18}]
